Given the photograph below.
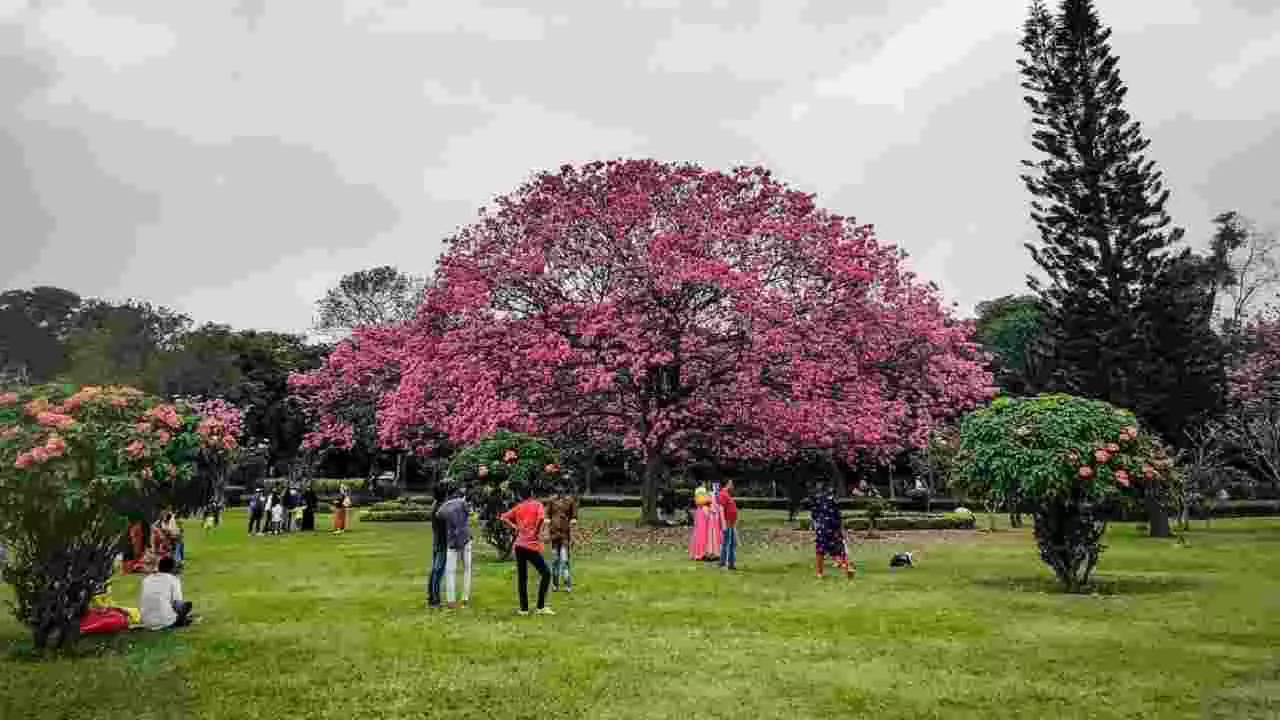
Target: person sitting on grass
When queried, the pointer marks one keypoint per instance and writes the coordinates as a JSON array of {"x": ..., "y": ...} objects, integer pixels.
[
  {"x": 161, "y": 605},
  {"x": 526, "y": 519},
  {"x": 828, "y": 531}
]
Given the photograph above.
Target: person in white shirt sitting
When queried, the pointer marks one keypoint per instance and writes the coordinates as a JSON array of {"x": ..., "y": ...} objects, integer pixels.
[{"x": 161, "y": 605}]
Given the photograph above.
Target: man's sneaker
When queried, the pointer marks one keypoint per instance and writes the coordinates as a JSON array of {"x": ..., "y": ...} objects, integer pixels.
[
  {"x": 522, "y": 613},
  {"x": 568, "y": 589},
  {"x": 544, "y": 611},
  {"x": 452, "y": 606}
]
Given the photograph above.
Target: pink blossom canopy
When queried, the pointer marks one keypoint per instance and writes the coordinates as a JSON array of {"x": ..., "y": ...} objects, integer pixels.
[{"x": 675, "y": 307}]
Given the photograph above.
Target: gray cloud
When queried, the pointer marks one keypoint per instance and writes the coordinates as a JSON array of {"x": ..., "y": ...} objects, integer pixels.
[{"x": 233, "y": 158}]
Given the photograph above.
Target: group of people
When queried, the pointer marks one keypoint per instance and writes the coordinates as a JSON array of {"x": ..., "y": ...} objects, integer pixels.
[
  {"x": 451, "y": 552},
  {"x": 714, "y": 534},
  {"x": 274, "y": 513},
  {"x": 715, "y": 526}
]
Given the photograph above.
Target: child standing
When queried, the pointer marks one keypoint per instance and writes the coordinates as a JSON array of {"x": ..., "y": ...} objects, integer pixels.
[
  {"x": 828, "y": 528},
  {"x": 563, "y": 511},
  {"x": 457, "y": 520},
  {"x": 277, "y": 517},
  {"x": 526, "y": 519}
]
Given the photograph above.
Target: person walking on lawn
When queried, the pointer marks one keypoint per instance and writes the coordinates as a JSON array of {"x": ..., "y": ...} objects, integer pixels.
[
  {"x": 526, "y": 519},
  {"x": 729, "y": 519},
  {"x": 828, "y": 531},
  {"x": 563, "y": 510}
]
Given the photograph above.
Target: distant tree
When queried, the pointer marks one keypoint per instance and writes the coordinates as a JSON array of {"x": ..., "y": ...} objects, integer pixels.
[
  {"x": 122, "y": 343},
  {"x": 250, "y": 369},
  {"x": 1007, "y": 327},
  {"x": 33, "y": 327},
  {"x": 1246, "y": 263},
  {"x": 1099, "y": 206},
  {"x": 376, "y": 296}
]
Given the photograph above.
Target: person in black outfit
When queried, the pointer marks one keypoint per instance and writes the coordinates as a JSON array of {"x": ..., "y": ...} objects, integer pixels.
[{"x": 309, "y": 504}]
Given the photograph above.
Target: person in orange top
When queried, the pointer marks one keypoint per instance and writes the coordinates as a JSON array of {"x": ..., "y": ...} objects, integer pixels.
[{"x": 526, "y": 519}]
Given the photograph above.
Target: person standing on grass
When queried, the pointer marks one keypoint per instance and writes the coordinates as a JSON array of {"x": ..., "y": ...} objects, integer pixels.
[
  {"x": 439, "y": 549},
  {"x": 457, "y": 526},
  {"x": 161, "y": 605},
  {"x": 563, "y": 511},
  {"x": 526, "y": 519},
  {"x": 257, "y": 508},
  {"x": 828, "y": 531},
  {"x": 277, "y": 517},
  {"x": 310, "y": 501},
  {"x": 729, "y": 522},
  {"x": 340, "y": 511}
]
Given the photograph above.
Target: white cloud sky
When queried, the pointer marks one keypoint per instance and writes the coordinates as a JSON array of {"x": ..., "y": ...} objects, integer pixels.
[{"x": 231, "y": 158}]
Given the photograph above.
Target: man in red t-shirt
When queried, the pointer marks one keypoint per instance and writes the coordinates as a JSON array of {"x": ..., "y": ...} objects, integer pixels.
[
  {"x": 526, "y": 519},
  {"x": 729, "y": 516}
]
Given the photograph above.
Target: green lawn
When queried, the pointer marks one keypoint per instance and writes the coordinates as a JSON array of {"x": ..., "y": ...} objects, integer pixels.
[{"x": 324, "y": 626}]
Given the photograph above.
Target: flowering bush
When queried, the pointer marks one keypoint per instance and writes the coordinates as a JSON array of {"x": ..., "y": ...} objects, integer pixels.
[
  {"x": 1067, "y": 457},
  {"x": 494, "y": 469},
  {"x": 72, "y": 462}
]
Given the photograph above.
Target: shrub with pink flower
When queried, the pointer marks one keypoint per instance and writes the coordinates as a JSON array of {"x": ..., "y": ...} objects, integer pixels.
[
  {"x": 1049, "y": 469},
  {"x": 70, "y": 460}
]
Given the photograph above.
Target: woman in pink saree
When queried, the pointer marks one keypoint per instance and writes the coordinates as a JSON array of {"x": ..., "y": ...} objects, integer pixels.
[{"x": 704, "y": 540}]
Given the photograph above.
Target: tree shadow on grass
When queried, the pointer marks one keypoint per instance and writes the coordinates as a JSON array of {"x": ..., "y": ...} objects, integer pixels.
[
  {"x": 1106, "y": 585},
  {"x": 135, "y": 643}
]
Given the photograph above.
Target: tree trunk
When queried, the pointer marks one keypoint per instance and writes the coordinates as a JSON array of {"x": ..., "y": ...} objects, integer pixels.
[
  {"x": 649, "y": 488},
  {"x": 1157, "y": 517},
  {"x": 402, "y": 463}
]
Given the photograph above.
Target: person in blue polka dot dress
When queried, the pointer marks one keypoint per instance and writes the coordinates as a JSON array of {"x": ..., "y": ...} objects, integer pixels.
[{"x": 828, "y": 530}]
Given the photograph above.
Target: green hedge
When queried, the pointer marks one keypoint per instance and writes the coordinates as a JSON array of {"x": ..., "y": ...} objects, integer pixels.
[
  {"x": 398, "y": 505},
  {"x": 421, "y": 515},
  {"x": 944, "y": 521},
  {"x": 767, "y": 503}
]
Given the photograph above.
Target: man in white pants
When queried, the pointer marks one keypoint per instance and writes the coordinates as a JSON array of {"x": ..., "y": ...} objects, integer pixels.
[{"x": 457, "y": 521}]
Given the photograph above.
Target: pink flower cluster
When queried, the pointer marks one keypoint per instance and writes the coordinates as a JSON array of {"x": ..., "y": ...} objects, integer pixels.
[
  {"x": 54, "y": 447},
  {"x": 220, "y": 425}
]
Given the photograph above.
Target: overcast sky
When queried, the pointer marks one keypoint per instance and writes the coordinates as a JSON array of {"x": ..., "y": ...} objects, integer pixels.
[{"x": 232, "y": 160}]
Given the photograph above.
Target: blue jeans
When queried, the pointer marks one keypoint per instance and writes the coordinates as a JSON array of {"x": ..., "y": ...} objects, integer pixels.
[
  {"x": 438, "y": 559},
  {"x": 561, "y": 570},
  {"x": 729, "y": 548}
]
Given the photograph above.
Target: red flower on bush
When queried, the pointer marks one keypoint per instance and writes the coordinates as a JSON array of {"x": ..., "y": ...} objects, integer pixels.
[
  {"x": 510, "y": 457},
  {"x": 1148, "y": 472},
  {"x": 1122, "y": 478},
  {"x": 483, "y": 471},
  {"x": 8, "y": 398},
  {"x": 1113, "y": 448},
  {"x": 1102, "y": 456},
  {"x": 135, "y": 449},
  {"x": 1085, "y": 472},
  {"x": 551, "y": 469}
]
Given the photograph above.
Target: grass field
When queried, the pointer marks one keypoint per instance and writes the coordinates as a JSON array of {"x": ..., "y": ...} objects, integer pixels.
[{"x": 319, "y": 626}]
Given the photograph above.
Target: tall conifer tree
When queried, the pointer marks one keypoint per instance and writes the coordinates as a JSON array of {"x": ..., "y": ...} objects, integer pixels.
[{"x": 1106, "y": 242}]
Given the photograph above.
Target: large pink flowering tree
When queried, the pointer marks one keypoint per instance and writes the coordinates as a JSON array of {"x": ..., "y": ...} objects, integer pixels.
[{"x": 679, "y": 309}]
